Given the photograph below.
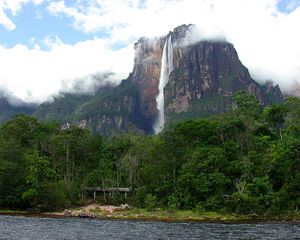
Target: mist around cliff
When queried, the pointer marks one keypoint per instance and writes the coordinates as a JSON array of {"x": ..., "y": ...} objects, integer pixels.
[
  {"x": 35, "y": 76},
  {"x": 263, "y": 32},
  {"x": 266, "y": 62}
]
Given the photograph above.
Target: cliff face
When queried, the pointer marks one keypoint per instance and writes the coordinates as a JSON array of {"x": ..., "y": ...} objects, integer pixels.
[
  {"x": 201, "y": 78},
  {"x": 145, "y": 76},
  {"x": 204, "y": 77},
  {"x": 113, "y": 110}
]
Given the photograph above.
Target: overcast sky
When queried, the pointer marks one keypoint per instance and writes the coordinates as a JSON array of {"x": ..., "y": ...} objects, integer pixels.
[{"x": 49, "y": 46}]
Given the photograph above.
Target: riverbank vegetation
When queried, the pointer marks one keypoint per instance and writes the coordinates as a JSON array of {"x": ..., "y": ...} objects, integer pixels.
[{"x": 245, "y": 161}]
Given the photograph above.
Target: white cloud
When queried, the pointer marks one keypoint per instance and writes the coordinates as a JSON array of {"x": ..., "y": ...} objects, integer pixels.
[
  {"x": 52, "y": 42},
  {"x": 266, "y": 39},
  {"x": 5, "y": 21},
  {"x": 13, "y": 6},
  {"x": 57, "y": 7},
  {"x": 34, "y": 75}
]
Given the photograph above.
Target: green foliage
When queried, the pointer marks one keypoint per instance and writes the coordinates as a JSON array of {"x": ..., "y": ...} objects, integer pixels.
[
  {"x": 150, "y": 202},
  {"x": 246, "y": 104},
  {"x": 292, "y": 121},
  {"x": 61, "y": 108},
  {"x": 246, "y": 160},
  {"x": 140, "y": 196},
  {"x": 173, "y": 202},
  {"x": 39, "y": 180}
]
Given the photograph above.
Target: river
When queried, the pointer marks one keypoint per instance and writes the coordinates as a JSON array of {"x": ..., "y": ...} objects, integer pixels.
[{"x": 34, "y": 228}]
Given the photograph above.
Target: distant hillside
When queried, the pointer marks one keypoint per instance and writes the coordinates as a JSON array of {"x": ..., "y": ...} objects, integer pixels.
[
  {"x": 61, "y": 109},
  {"x": 8, "y": 110}
]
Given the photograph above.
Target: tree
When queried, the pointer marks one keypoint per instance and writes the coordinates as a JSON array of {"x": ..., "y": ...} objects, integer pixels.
[
  {"x": 246, "y": 104},
  {"x": 16, "y": 136},
  {"x": 203, "y": 177},
  {"x": 39, "y": 178},
  {"x": 275, "y": 116},
  {"x": 292, "y": 123}
]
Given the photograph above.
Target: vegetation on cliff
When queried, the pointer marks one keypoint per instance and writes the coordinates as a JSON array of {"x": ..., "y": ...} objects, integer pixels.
[{"x": 245, "y": 161}]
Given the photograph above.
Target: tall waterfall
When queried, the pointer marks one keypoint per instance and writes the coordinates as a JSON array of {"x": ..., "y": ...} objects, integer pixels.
[{"x": 166, "y": 69}]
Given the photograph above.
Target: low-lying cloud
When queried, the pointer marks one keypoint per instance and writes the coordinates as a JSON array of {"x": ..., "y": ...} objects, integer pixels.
[
  {"x": 89, "y": 84},
  {"x": 33, "y": 75}
]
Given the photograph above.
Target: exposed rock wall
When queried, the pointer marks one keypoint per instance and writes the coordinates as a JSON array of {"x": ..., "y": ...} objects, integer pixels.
[{"x": 204, "y": 76}]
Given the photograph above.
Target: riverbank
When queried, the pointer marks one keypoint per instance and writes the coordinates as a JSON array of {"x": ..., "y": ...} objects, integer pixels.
[{"x": 118, "y": 213}]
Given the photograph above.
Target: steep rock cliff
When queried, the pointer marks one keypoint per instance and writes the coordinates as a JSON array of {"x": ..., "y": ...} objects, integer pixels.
[
  {"x": 204, "y": 77},
  {"x": 201, "y": 81}
]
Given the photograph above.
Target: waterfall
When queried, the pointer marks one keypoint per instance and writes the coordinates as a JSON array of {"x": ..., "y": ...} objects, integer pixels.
[{"x": 166, "y": 69}]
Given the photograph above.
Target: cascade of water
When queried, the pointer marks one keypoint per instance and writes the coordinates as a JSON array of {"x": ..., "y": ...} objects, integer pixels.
[{"x": 166, "y": 69}]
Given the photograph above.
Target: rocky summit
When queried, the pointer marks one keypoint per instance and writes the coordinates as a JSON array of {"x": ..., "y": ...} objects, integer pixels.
[{"x": 174, "y": 78}]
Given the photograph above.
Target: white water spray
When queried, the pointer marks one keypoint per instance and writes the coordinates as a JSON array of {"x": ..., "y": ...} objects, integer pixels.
[{"x": 166, "y": 69}]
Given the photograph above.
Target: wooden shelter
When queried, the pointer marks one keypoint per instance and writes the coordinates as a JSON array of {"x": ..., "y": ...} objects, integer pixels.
[{"x": 110, "y": 191}]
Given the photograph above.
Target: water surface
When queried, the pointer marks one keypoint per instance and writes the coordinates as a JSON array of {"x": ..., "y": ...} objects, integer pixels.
[{"x": 34, "y": 228}]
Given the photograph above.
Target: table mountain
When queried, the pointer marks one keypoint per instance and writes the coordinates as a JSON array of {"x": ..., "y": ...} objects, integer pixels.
[{"x": 174, "y": 78}]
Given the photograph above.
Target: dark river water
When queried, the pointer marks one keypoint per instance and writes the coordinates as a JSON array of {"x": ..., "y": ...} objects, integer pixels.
[{"x": 31, "y": 228}]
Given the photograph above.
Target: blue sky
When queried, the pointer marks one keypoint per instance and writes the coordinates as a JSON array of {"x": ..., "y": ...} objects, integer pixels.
[
  {"x": 34, "y": 22},
  {"x": 288, "y": 6},
  {"x": 46, "y": 46}
]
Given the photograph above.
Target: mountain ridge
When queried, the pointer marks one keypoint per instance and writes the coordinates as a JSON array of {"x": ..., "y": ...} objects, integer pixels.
[{"x": 204, "y": 77}]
